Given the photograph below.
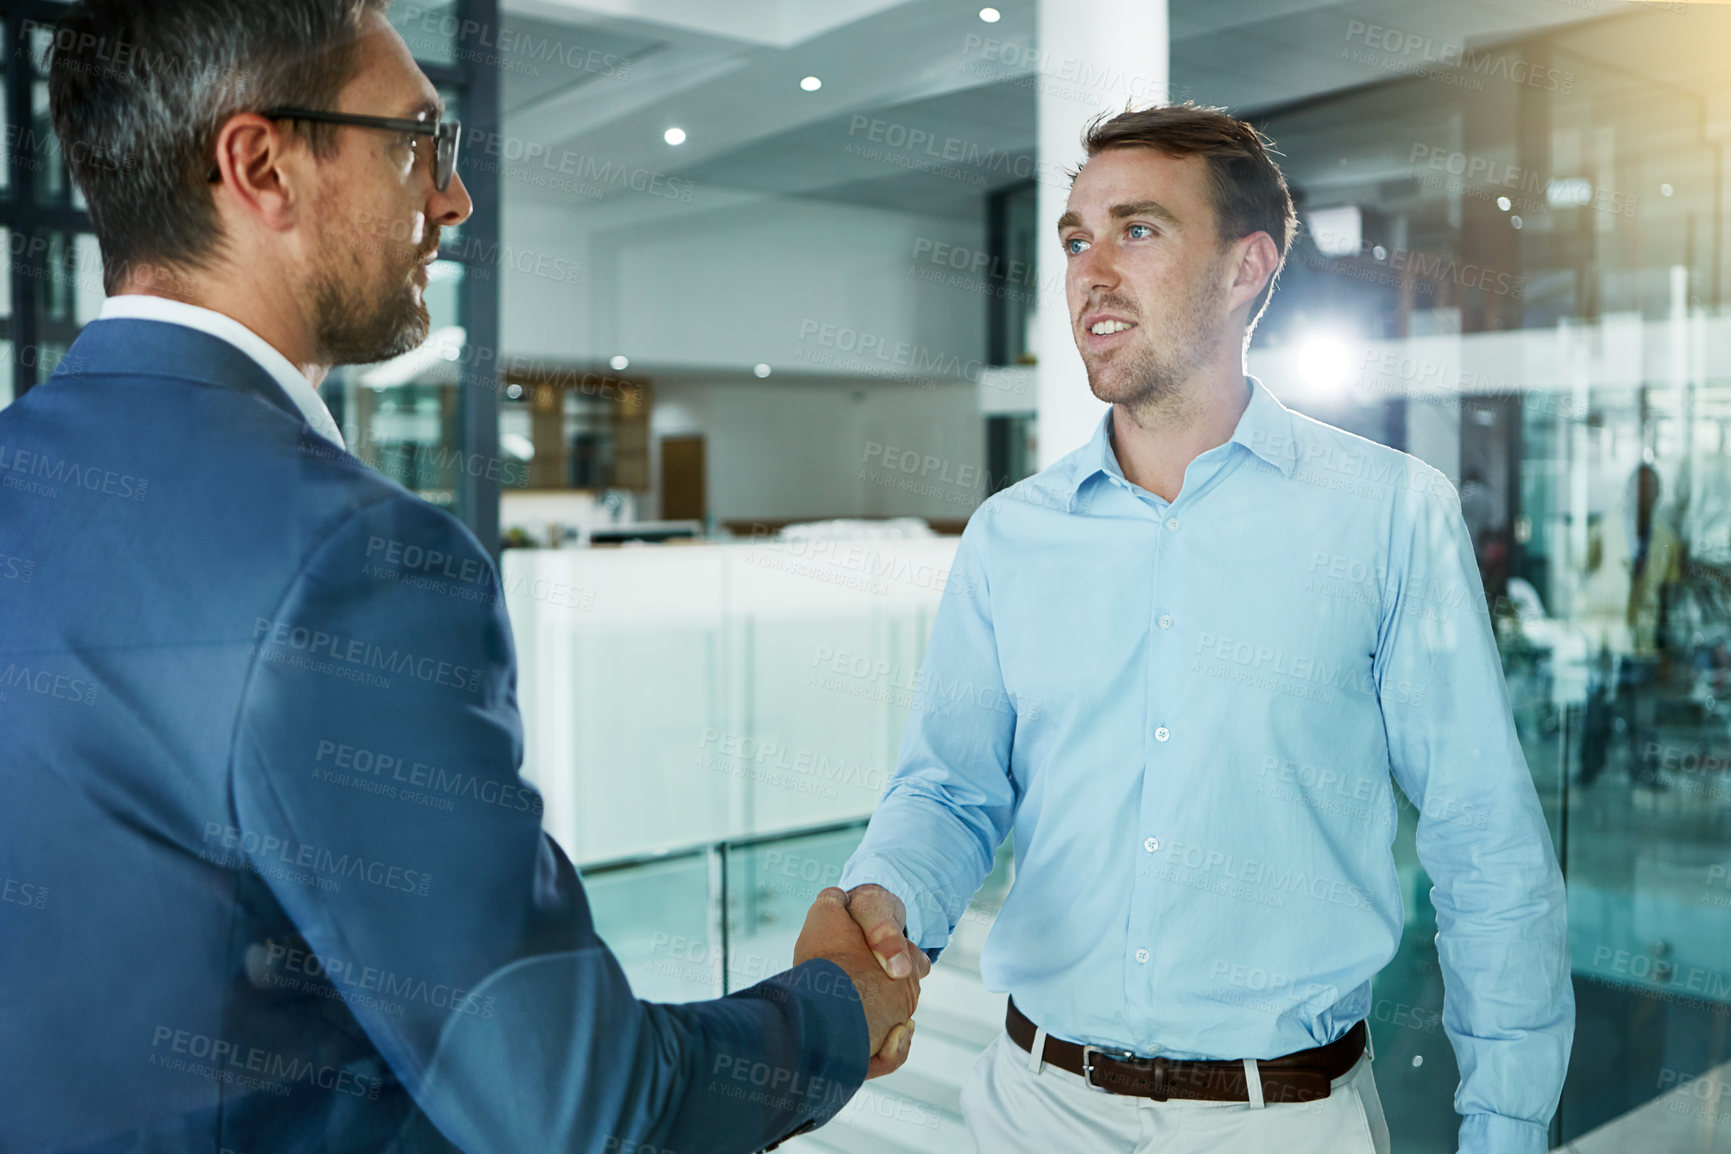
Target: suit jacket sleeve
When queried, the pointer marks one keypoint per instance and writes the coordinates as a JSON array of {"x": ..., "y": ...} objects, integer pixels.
[{"x": 375, "y": 789}]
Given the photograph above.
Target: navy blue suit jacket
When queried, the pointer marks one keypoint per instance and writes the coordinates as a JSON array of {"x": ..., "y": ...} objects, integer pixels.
[{"x": 271, "y": 881}]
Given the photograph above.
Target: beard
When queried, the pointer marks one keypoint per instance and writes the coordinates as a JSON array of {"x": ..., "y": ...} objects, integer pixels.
[
  {"x": 362, "y": 321},
  {"x": 1150, "y": 375}
]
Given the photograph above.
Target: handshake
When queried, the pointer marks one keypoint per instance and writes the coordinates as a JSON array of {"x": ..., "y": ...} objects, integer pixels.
[{"x": 861, "y": 931}]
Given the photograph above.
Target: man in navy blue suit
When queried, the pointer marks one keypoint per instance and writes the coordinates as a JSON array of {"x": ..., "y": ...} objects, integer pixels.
[{"x": 215, "y": 624}]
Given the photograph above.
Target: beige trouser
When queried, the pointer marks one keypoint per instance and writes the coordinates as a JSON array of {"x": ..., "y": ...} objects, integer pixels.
[{"x": 1010, "y": 1108}]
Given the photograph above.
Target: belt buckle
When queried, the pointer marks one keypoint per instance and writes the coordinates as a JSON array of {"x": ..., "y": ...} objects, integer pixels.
[{"x": 1128, "y": 1058}]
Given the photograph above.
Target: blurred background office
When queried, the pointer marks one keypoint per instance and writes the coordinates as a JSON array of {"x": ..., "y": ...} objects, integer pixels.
[{"x": 761, "y": 300}]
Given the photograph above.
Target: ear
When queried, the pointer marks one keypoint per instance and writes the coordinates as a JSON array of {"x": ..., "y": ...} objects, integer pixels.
[
  {"x": 1256, "y": 260},
  {"x": 261, "y": 169}
]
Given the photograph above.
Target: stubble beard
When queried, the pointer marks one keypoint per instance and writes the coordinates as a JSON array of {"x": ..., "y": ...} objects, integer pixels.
[
  {"x": 1149, "y": 378},
  {"x": 365, "y": 318}
]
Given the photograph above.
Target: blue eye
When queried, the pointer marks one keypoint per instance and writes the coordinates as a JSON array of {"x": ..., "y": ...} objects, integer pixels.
[
  {"x": 1148, "y": 230},
  {"x": 1070, "y": 248}
]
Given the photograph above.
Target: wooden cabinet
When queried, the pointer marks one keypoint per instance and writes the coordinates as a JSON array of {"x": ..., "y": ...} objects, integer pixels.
[{"x": 589, "y": 427}]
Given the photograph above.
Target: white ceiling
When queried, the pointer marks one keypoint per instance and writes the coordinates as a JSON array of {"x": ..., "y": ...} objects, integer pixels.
[
  {"x": 780, "y": 23},
  {"x": 728, "y": 72}
]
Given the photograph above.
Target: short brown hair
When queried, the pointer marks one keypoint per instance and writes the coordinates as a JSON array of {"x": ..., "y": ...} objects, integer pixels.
[{"x": 1245, "y": 186}]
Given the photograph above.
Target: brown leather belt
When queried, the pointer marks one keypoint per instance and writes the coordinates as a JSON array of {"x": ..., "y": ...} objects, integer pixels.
[{"x": 1300, "y": 1077}]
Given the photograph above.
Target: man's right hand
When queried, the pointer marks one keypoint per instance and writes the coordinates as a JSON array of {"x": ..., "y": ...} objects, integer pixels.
[
  {"x": 832, "y": 932},
  {"x": 883, "y": 918}
]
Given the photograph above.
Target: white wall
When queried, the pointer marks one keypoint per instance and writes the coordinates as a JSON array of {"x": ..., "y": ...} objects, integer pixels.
[
  {"x": 803, "y": 449},
  {"x": 544, "y": 315},
  {"x": 822, "y": 292},
  {"x": 729, "y": 281}
]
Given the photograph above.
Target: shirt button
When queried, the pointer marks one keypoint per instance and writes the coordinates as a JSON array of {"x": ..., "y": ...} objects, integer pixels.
[
  {"x": 1142, "y": 956},
  {"x": 1166, "y": 621},
  {"x": 1151, "y": 845},
  {"x": 1172, "y": 523},
  {"x": 1162, "y": 733}
]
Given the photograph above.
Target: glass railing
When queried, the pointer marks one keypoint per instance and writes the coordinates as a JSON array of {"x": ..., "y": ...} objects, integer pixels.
[
  {"x": 700, "y": 921},
  {"x": 710, "y": 919}
]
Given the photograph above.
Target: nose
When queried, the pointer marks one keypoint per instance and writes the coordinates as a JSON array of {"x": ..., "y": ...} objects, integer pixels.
[
  {"x": 1095, "y": 269},
  {"x": 452, "y": 207}
]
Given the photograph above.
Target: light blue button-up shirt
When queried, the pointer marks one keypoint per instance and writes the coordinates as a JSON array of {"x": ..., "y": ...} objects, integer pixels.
[{"x": 1192, "y": 715}]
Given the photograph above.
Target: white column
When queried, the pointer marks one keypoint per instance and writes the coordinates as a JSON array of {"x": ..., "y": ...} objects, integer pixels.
[{"x": 1095, "y": 56}]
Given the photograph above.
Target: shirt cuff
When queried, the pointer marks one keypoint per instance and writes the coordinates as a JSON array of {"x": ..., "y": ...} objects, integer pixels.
[
  {"x": 928, "y": 924},
  {"x": 1497, "y": 1134}
]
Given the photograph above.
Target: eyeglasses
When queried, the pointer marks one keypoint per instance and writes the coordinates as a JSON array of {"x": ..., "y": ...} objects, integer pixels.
[{"x": 447, "y": 135}]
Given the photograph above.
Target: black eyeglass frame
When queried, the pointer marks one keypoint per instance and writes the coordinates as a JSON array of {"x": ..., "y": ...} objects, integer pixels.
[{"x": 447, "y": 134}]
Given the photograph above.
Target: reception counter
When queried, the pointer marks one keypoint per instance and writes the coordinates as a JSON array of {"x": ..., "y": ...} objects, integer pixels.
[{"x": 677, "y": 694}]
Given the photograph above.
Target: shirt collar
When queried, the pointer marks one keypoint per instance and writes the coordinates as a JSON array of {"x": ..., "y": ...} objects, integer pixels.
[
  {"x": 139, "y": 306},
  {"x": 1264, "y": 428}
]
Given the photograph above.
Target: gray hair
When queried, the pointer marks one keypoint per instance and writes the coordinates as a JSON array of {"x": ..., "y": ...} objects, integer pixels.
[{"x": 139, "y": 89}]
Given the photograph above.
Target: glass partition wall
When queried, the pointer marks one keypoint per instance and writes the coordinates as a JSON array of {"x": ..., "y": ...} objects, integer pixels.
[
  {"x": 429, "y": 420},
  {"x": 53, "y": 281},
  {"x": 1513, "y": 267}
]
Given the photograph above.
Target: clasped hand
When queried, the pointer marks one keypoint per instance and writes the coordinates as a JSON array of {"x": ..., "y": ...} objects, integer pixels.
[{"x": 861, "y": 931}]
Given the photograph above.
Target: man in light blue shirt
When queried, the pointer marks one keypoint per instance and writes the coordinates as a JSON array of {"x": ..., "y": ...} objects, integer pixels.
[{"x": 1184, "y": 665}]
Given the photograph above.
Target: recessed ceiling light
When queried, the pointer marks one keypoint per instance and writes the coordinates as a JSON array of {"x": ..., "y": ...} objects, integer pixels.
[
  {"x": 1504, "y": 203},
  {"x": 620, "y": 364},
  {"x": 1666, "y": 190},
  {"x": 1515, "y": 220},
  {"x": 674, "y": 136},
  {"x": 991, "y": 15},
  {"x": 811, "y": 84},
  {"x": 762, "y": 371}
]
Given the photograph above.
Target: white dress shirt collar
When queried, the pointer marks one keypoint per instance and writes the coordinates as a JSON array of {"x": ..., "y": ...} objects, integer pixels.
[{"x": 138, "y": 306}]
